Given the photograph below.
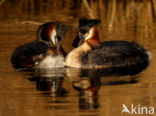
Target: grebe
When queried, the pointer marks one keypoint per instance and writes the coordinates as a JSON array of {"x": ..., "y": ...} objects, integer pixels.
[
  {"x": 34, "y": 53},
  {"x": 90, "y": 53}
]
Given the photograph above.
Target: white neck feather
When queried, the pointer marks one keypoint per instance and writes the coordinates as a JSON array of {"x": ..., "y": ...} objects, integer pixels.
[
  {"x": 75, "y": 57},
  {"x": 53, "y": 37},
  {"x": 91, "y": 33}
]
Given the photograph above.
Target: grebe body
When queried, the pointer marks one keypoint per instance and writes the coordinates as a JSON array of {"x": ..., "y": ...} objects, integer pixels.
[
  {"x": 22, "y": 56},
  {"x": 91, "y": 53},
  {"x": 34, "y": 53},
  {"x": 52, "y": 58}
]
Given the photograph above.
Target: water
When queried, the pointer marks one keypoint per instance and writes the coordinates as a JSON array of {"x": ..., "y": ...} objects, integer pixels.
[{"x": 70, "y": 92}]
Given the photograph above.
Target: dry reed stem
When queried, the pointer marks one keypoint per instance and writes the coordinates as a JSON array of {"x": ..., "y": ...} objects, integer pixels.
[
  {"x": 153, "y": 3},
  {"x": 112, "y": 15},
  {"x": 102, "y": 9},
  {"x": 86, "y": 4}
]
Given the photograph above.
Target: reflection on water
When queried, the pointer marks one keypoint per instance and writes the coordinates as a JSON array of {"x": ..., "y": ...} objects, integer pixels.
[
  {"x": 88, "y": 92},
  {"x": 86, "y": 82},
  {"x": 70, "y": 91},
  {"x": 50, "y": 81}
]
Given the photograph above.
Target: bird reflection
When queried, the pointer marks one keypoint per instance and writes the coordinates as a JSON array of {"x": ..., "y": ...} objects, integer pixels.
[
  {"x": 88, "y": 83},
  {"x": 53, "y": 85},
  {"x": 88, "y": 92},
  {"x": 50, "y": 81}
]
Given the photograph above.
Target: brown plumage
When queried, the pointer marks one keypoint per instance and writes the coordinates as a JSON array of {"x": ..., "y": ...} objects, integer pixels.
[{"x": 95, "y": 41}]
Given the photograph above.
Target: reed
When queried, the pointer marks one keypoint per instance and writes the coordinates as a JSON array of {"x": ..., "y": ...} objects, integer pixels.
[
  {"x": 120, "y": 16},
  {"x": 109, "y": 10}
]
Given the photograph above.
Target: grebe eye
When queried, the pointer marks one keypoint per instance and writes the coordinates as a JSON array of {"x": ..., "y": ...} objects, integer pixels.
[
  {"x": 82, "y": 31},
  {"x": 59, "y": 38}
]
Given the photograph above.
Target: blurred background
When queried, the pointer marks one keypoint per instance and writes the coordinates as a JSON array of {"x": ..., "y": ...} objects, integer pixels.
[
  {"x": 75, "y": 92},
  {"x": 129, "y": 19}
]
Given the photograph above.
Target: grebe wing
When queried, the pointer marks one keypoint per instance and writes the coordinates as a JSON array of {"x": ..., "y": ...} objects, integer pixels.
[
  {"x": 22, "y": 55},
  {"x": 117, "y": 54}
]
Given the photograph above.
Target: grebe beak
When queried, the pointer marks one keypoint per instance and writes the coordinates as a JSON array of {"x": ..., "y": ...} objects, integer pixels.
[
  {"x": 82, "y": 38},
  {"x": 58, "y": 48},
  {"x": 58, "y": 42},
  {"x": 49, "y": 43}
]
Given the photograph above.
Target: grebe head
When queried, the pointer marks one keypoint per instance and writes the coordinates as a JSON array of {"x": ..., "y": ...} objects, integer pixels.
[
  {"x": 86, "y": 30},
  {"x": 52, "y": 32}
]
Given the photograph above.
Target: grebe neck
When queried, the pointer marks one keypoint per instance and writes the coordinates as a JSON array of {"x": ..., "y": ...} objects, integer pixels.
[
  {"x": 76, "y": 56},
  {"x": 93, "y": 38}
]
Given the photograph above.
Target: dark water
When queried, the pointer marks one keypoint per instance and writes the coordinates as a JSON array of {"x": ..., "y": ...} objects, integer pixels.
[{"x": 69, "y": 91}]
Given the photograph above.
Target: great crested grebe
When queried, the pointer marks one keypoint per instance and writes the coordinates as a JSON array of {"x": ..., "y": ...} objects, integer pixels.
[
  {"x": 40, "y": 52},
  {"x": 90, "y": 53}
]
